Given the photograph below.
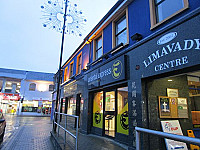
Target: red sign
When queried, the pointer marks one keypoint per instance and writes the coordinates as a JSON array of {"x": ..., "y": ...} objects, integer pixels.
[{"x": 9, "y": 96}]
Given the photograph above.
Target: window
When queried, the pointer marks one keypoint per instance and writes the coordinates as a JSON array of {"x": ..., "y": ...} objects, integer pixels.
[
  {"x": 162, "y": 10},
  {"x": 51, "y": 87},
  {"x": 79, "y": 63},
  {"x": 71, "y": 69},
  {"x": 120, "y": 31},
  {"x": 32, "y": 87},
  {"x": 98, "y": 48},
  {"x": 65, "y": 74}
]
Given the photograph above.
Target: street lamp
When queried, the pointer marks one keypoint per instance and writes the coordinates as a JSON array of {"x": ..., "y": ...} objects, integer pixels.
[{"x": 74, "y": 20}]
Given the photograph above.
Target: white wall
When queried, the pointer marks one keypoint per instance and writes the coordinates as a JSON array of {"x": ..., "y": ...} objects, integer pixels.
[{"x": 41, "y": 91}]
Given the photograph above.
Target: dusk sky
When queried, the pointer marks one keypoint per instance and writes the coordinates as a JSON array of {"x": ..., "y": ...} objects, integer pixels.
[{"x": 26, "y": 45}]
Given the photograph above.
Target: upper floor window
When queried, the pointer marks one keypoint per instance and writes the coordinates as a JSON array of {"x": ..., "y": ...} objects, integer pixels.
[
  {"x": 71, "y": 69},
  {"x": 79, "y": 63},
  {"x": 162, "y": 10},
  {"x": 32, "y": 87},
  {"x": 51, "y": 87},
  {"x": 120, "y": 31},
  {"x": 98, "y": 48},
  {"x": 65, "y": 74}
]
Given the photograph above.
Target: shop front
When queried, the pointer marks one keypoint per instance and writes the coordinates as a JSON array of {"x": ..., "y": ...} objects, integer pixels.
[
  {"x": 9, "y": 102},
  {"x": 108, "y": 95},
  {"x": 37, "y": 106},
  {"x": 72, "y": 100},
  {"x": 165, "y": 84}
]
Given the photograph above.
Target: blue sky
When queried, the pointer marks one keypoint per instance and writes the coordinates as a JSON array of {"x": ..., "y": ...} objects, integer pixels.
[{"x": 26, "y": 45}]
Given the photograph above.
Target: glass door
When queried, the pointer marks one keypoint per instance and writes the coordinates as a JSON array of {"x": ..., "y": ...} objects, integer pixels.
[{"x": 109, "y": 114}]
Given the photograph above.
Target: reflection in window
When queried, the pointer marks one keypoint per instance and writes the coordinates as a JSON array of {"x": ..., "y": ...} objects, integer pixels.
[
  {"x": 110, "y": 101},
  {"x": 51, "y": 87},
  {"x": 79, "y": 62},
  {"x": 32, "y": 87},
  {"x": 99, "y": 51},
  {"x": 12, "y": 87},
  {"x": 121, "y": 31},
  {"x": 98, "y": 109},
  {"x": 71, "y": 106},
  {"x": 165, "y": 8},
  {"x": 71, "y": 69}
]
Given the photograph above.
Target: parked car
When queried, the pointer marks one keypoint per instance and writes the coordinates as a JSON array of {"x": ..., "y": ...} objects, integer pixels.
[{"x": 2, "y": 126}]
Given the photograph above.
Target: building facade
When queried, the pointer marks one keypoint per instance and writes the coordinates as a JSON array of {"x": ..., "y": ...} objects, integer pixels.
[
  {"x": 139, "y": 66},
  {"x": 25, "y": 92}
]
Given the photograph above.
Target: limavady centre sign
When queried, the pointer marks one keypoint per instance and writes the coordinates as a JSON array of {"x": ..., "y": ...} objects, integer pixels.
[{"x": 167, "y": 47}]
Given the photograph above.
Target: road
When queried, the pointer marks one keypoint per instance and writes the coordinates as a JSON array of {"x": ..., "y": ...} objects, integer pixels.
[{"x": 27, "y": 133}]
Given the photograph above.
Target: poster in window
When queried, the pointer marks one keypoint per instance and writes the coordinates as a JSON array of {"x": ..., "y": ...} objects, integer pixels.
[
  {"x": 172, "y": 92},
  {"x": 173, "y": 127},
  {"x": 174, "y": 107},
  {"x": 164, "y": 107},
  {"x": 182, "y": 108}
]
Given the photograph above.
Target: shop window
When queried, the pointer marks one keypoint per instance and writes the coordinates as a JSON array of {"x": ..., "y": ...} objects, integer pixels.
[
  {"x": 71, "y": 69},
  {"x": 65, "y": 74},
  {"x": 120, "y": 28},
  {"x": 71, "y": 106},
  {"x": 98, "y": 49},
  {"x": 98, "y": 110},
  {"x": 122, "y": 113},
  {"x": 79, "y": 63},
  {"x": 162, "y": 10},
  {"x": 12, "y": 87},
  {"x": 32, "y": 87},
  {"x": 51, "y": 87}
]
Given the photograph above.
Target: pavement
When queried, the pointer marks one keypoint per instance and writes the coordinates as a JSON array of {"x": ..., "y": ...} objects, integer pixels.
[
  {"x": 33, "y": 133},
  {"x": 27, "y": 133},
  {"x": 85, "y": 142}
]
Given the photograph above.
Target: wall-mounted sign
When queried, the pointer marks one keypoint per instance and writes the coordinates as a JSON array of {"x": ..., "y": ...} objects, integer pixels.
[
  {"x": 175, "y": 49},
  {"x": 108, "y": 73},
  {"x": 172, "y": 92},
  {"x": 7, "y": 96}
]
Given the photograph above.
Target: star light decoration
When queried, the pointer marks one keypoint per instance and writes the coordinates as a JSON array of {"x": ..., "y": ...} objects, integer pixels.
[{"x": 54, "y": 17}]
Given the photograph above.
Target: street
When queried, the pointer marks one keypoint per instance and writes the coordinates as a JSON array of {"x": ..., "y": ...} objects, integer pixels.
[{"x": 27, "y": 133}]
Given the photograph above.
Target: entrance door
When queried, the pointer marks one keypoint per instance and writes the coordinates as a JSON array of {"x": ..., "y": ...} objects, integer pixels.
[{"x": 109, "y": 113}]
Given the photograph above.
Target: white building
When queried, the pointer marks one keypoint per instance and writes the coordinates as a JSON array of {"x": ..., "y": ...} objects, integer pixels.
[{"x": 25, "y": 92}]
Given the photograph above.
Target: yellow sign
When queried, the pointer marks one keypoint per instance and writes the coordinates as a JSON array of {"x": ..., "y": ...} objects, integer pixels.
[
  {"x": 117, "y": 69},
  {"x": 122, "y": 121},
  {"x": 97, "y": 115}
]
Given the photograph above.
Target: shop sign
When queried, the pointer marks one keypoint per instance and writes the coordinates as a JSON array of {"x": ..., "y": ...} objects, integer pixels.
[
  {"x": 175, "y": 49},
  {"x": 173, "y": 127},
  {"x": 7, "y": 96},
  {"x": 108, "y": 73}
]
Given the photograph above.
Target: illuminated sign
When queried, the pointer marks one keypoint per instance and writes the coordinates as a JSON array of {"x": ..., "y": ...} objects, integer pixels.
[
  {"x": 110, "y": 72},
  {"x": 7, "y": 96}
]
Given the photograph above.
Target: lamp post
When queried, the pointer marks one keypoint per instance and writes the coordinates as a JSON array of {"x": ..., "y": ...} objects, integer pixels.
[
  {"x": 74, "y": 20},
  {"x": 59, "y": 70}
]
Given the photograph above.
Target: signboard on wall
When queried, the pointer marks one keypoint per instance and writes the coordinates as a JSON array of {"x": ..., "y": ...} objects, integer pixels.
[
  {"x": 107, "y": 73},
  {"x": 173, "y": 126},
  {"x": 175, "y": 49}
]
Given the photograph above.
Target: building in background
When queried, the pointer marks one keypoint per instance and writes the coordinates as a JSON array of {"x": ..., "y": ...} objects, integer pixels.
[{"x": 24, "y": 92}]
